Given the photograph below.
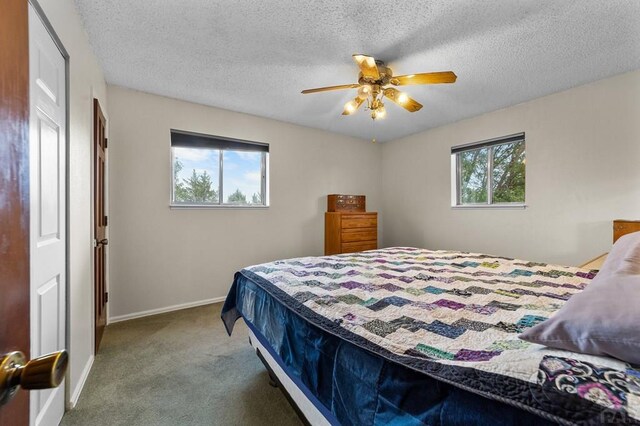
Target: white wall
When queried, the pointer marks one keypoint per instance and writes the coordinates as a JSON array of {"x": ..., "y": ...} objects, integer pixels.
[
  {"x": 583, "y": 171},
  {"x": 87, "y": 82},
  {"x": 162, "y": 257}
]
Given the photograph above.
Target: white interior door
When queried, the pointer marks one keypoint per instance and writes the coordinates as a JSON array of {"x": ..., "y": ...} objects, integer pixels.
[{"x": 48, "y": 210}]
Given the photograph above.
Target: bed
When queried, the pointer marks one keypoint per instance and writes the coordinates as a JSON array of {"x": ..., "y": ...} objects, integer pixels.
[{"x": 410, "y": 336}]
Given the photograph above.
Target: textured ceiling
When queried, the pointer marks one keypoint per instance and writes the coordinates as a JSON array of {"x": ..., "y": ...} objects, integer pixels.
[{"x": 256, "y": 56}]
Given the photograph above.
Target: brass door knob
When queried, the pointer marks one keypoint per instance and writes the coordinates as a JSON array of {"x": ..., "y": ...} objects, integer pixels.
[{"x": 43, "y": 372}]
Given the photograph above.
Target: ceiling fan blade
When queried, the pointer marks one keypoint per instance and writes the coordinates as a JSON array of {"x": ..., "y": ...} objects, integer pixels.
[
  {"x": 402, "y": 99},
  {"x": 352, "y": 106},
  {"x": 367, "y": 66},
  {"x": 328, "y": 88},
  {"x": 424, "y": 78}
]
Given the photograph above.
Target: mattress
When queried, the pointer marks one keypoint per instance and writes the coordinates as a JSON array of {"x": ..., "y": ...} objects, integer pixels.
[{"x": 448, "y": 317}]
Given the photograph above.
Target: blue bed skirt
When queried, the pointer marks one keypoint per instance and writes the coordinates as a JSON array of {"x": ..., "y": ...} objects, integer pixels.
[{"x": 352, "y": 384}]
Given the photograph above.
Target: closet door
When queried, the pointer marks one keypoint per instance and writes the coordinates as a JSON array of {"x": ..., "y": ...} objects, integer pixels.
[{"x": 47, "y": 162}]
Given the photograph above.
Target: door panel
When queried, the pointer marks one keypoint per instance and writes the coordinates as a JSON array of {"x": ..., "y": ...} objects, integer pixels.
[
  {"x": 48, "y": 210},
  {"x": 14, "y": 187},
  {"x": 48, "y": 196},
  {"x": 48, "y": 77},
  {"x": 100, "y": 221}
]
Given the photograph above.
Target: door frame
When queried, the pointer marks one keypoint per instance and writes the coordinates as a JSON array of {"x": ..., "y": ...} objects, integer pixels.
[{"x": 65, "y": 55}]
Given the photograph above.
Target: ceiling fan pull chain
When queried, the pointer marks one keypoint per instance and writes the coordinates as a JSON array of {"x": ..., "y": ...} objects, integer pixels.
[{"x": 373, "y": 132}]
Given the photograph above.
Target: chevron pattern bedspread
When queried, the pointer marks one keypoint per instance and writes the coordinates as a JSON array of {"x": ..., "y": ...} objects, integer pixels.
[{"x": 456, "y": 316}]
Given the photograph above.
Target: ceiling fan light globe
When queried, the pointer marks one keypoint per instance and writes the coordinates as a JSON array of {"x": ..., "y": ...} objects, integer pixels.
[
  {"x": 350, "y": 107},
  {"x": 364, "y": 91},
  {"x": 380, "y": 113}
]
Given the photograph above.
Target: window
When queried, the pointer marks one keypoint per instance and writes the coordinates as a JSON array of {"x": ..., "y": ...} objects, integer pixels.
[
  {"x": 489, "y": 173},
  {"x": 212, "y": 171}
]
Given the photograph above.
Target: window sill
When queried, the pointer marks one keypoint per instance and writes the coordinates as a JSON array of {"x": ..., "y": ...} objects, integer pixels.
[
  {"x": 213, "y": 207},
  {"x": 491, "y": 206}
]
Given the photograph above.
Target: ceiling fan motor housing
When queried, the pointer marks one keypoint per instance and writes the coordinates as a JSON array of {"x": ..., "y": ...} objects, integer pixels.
[{"x": 385, "y": 75}]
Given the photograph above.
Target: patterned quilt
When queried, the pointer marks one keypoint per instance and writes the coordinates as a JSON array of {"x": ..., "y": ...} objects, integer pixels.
[{"x": 456, "y": 316}]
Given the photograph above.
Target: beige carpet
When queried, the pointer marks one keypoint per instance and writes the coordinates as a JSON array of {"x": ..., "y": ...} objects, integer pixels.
[{"x": 179, "y": 368}]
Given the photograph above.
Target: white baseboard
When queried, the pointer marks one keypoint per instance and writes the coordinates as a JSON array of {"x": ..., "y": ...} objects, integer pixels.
[
  {"x": 75, "y": 394},
  {"x": 165, "y": 309}
]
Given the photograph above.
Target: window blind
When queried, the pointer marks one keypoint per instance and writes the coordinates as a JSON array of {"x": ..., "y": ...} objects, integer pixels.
[
  {"x": 517, "y": 137},
  {"x": 181, "y": 138}
]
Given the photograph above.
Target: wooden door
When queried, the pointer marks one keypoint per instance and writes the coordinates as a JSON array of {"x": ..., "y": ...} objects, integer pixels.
[
  {"x": 48, "y": 239},
  {"x": 14, "y": 194},
  {"x": 100, "y": 221}
]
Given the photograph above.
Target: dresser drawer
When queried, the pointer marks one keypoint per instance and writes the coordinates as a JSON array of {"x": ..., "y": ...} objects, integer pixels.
[
  {"x": 360, "y": 246},
  {"x": 359, "y": 234},
  {"x": 359, "y": 221}
]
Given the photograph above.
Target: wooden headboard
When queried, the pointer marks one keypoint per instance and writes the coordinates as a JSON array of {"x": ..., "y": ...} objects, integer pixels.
[{"x": 623, "y": 227}]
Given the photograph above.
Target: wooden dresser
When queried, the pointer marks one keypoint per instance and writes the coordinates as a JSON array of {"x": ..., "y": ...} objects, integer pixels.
[
  {"x": 347, "y": 232},
  {"x": 623, "y": 227}
]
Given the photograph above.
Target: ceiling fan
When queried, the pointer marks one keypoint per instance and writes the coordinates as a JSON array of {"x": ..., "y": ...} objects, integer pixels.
[{"x": 376, "y": 81}]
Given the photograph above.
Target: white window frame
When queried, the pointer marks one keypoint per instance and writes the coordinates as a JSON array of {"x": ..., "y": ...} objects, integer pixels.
[
  {"x": 456, "y": 171},
  {"x": 264, "y": 186}
]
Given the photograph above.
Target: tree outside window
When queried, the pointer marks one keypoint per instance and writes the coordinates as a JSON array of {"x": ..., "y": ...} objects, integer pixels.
[
  {"x": 491, "y": 173},
  {"x": 210, "y": 171}
]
